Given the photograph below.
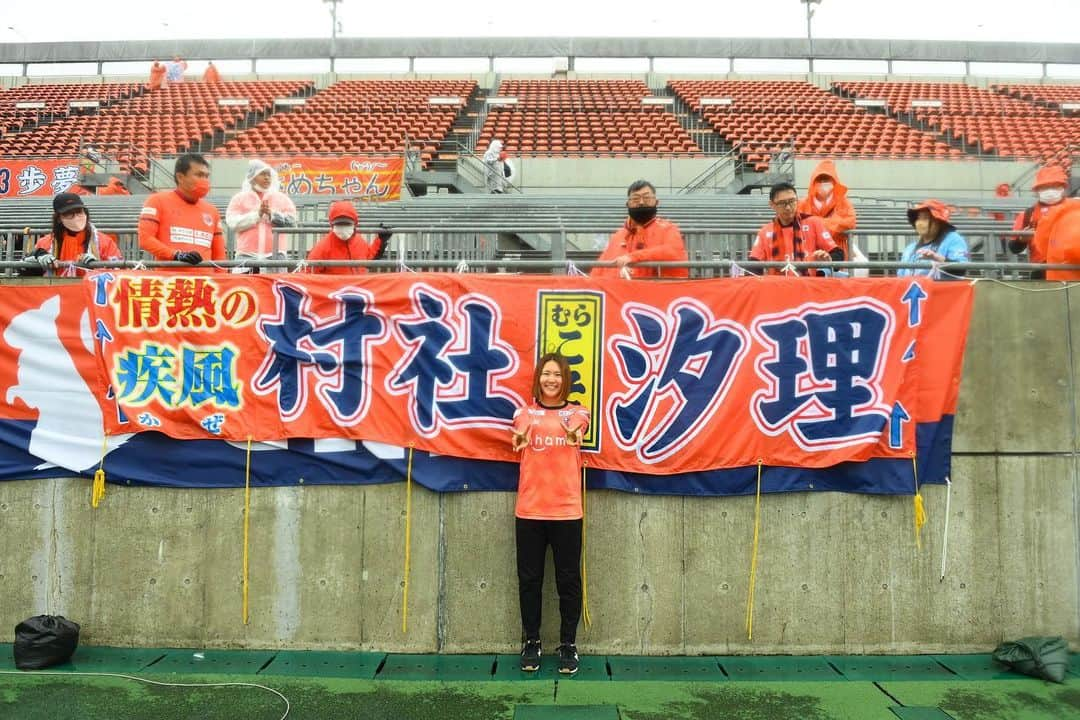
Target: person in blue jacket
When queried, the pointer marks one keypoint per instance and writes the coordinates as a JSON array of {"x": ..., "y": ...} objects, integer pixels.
[{"x": 938, "y": 240}]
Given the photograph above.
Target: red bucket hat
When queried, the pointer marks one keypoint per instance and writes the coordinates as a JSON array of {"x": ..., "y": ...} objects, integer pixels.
[
  {"x": 938, "y": 210},
  {"x": 1050, "y": 175}
]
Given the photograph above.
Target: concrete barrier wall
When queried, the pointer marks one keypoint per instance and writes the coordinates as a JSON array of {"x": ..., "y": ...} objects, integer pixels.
[
  {"x": 836, "y": 572},
  {"x": 964, "y": 178}
]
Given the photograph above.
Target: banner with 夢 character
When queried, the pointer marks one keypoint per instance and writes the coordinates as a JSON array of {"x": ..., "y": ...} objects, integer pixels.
[
  {"x": 372, "y": 179},
  {"x": 681, "y": 377},
  {"x": 30, "y": 178}
]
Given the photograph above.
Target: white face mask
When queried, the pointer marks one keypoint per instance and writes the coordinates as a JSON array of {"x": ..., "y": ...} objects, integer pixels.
[
  {"x": 344, "y": 231},
  {"x": 1051, "y": 196},
  {"x": 824, "y": 189},
  {"x": 75, "y": 224}
]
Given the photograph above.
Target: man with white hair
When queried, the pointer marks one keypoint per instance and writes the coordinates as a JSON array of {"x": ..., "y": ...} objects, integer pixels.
[{"x": 256, "y": 210}]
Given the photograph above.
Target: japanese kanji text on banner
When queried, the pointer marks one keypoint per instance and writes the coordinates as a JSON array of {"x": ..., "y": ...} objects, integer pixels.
[{"x": 680, "y": 377}]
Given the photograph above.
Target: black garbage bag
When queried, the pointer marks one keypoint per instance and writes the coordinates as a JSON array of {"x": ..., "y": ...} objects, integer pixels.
[
  {"x": 45, "y": 640},
  {"x": 1041, "y": 657}
]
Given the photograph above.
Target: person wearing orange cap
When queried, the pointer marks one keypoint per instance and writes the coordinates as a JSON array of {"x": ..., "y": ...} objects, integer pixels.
[
  {"x": 938, "y": 240},
  {"x": 74, "y": 242},
  {"x": 157, "y": 76},
  {"x": 827, "y": 199},
  {"x": 644, "y": 237},
  {"x": 1057, "y": 238},
  {"x": 1050, "y": 186},
  {"x": 211, "y": 75},
  {"x": 344, "y": 243}
]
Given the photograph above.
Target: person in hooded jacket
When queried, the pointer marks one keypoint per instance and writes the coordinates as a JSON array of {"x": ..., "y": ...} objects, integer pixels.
[
  {"x": 938, "y": 240},
  {"x": 495, "y": 177},
  {"x": 827, "y": 199},
  {"x": 211, "y": 74},
  {"x": 644, "y": 237},
  {"x": 344, "y": 243},
  {"x": 1050, "y": 186},
  {"x": 157, "y": 76},
  {"x": 73, "y": 243},
  {"x": 1057, "y": 239},
  {"x": 255, "y": 211},
  {"x": 115, "y": 186}
]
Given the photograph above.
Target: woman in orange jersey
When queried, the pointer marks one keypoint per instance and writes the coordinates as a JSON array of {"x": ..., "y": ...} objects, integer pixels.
[
  {"x": 74, "y": 242},
  {"x": 549, "y": 509}
]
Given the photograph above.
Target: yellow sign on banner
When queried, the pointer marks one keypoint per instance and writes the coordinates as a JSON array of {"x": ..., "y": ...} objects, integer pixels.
[{"x": 572, "y": 324}]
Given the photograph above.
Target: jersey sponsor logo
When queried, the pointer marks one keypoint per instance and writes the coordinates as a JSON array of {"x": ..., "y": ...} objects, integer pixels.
[
  {"x": 149, "y": 211},
  {"x": 206, "y": 218},
  {"x": 189, "y": 236}
]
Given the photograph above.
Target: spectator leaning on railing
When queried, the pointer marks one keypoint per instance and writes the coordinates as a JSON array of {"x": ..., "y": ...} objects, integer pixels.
[
  {"x": 1058, "y": 239},
  {"x": 644, "y": 237},
  {"x": 791, "y": 236},
  {"x": 938, "y": 240}
]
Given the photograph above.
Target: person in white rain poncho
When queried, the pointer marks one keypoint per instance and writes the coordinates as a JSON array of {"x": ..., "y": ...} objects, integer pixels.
[
  {"x": 495, "y": 177},
  {"x": 256, "y": 210}
]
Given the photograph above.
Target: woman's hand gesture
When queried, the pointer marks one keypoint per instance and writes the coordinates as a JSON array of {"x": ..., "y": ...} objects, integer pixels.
[
  {"x": 519, "y": 439},
  {"x": 573, "y": 435}
]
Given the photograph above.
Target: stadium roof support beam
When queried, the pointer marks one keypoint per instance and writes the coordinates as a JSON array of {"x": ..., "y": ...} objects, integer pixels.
[{"x": 779, "y": 48}]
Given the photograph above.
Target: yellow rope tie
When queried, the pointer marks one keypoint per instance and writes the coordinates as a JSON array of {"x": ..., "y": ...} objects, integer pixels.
[
  {"x": 247, "y": 525},
  {"x": 97, "y": 489},
  {"x": 753, "y": 556},
  {"x": 408, "y": 543},
  {"x": 584, "y": 573},
  {"x": 920, "y": 508}
]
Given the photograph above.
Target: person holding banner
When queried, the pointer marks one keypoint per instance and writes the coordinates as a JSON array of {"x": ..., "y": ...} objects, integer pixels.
[
  {"x": 644, "y": 237},
  {"x": 255, "y": 211},
  {"x": 180, "y": 224},
  {"x": 938, "y": 241},
  {"x": 791, "y": 236},
  {"x": 344, "y": 243},
  {"x": 74, "y": 242},
  {"x": 549, "y": 509}
]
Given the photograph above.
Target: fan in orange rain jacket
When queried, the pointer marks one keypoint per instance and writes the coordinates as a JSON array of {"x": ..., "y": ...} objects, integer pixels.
[
  {"x": 827, "y": 199},
  {"x": 1057, "y": 238},
  {"x": 157, "y": 76},
  {"x": 115, "y": 186},
  {"x": 344, "y": 243},
  {"x": 73, "y": 243},
  {"x": 643, "y": 238},
  {"x": 211, "y": 75}
]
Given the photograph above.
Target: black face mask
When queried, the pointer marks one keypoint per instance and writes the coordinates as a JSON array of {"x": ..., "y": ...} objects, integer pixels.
[{"x": 641, "y": 214}]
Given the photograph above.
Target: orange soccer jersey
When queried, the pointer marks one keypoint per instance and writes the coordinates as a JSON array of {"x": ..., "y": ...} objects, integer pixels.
[
  {"x": 169, "y": 224},
  {"x": 549, "y": 485}
]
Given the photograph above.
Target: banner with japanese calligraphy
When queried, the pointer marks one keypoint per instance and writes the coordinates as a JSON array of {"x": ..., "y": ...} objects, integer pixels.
[
  {"x": 683, "y": 377},
  {"x": 373, "y": 179},
  {"x": 29, "y": 178}
]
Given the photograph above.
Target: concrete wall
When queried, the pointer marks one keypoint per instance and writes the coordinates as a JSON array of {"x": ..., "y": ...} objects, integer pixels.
[
  {"x": 538, "y": 176},
  {"x": 966, "y": 178},
  {"x": 837, "y": 572}
]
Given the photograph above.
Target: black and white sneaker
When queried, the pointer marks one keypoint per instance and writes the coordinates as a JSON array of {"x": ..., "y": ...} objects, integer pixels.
[
  {"x": 568, "y": 659},
  {"x": 530, "y": 656}
]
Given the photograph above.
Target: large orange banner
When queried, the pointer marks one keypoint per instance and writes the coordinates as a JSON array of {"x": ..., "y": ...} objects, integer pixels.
[
  {"x": 29, "y": 178},
  {"x": 680, "y": 376},
  {"x": 374, "y": 179}
]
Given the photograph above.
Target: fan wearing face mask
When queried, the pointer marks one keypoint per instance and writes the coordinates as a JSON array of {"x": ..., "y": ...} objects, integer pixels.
[
  {"x": 74, "y": 242},
  {"x": 1050, "y": 186},
  {"x": 827, "y": 199},
  {"x": 180, "y": 224},
  {"x": 255, "y": 211},
  {"x": 344, "y": 243},
  {"x": 644, "y": 237},
  {"x": 1057, "y": 239}
]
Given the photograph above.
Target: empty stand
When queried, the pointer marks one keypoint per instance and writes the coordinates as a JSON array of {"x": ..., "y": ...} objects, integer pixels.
[
  {"x": 583, "y": 118},
  {"x": 764, "y": 117},
  {"x": 1014, "y": 121},
  {"x": 168, "y": 121},
  {"x": 360, "y": 116},
  {"x": 55, "y": 99}
]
